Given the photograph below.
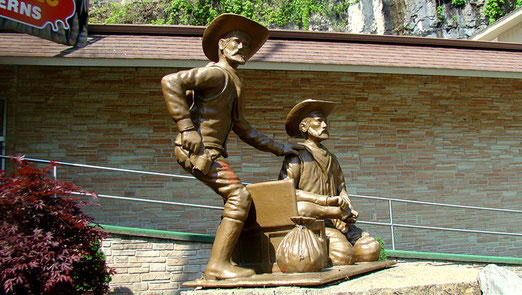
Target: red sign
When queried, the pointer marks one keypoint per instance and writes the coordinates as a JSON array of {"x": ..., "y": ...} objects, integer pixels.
[{"x": 38, "y": 13}]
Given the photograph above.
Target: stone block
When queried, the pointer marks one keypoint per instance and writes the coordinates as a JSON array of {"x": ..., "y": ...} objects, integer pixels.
[
  {"x": 153, "y": 276},
  {"x": 175, "y": 269},
  {"x": 138, "y": 270},
  {"x": 125, "y": 278},
  {"x": 191, "y": 268},
  {"x": 148, "y": 253},
  {"x": 138, "y": 287},
  {"x": 158, "y": 267},
  {"x": 147, "y": 259},
  {"x": 163, "y": 286},
  {"x": 176, "y": 261},
  {"x": 163, "y": 246}
]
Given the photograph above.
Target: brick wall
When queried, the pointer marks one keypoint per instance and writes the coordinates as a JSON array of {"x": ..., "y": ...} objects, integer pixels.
[
  {"x": 430, "y": 138},
  {"x": 147, "y": 265}
]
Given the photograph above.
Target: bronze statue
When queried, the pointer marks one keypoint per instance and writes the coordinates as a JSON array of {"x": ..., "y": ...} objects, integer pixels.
[
  {"x": 320, "y": 185},
  {"x": 207, "y": 103}
]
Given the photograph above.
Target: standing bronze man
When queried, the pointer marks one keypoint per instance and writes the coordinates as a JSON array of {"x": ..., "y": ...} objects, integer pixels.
[
  {"x": 321, "y": 190},
  {"x": 207, "y": 103}
]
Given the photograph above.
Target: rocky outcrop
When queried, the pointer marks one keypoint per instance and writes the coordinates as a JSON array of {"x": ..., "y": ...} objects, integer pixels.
[{"x": 408, "y": 17}]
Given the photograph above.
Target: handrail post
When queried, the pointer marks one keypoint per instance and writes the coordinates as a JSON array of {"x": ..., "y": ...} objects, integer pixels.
[
  {"x": 55, "y": 175},
  {"x": 390, "y": 210}
]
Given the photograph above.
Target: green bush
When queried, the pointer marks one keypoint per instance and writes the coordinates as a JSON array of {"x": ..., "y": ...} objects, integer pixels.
[{"x": 382, "y": 255}]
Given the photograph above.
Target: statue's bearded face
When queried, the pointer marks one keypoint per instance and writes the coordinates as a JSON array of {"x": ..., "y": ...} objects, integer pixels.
[
  {"x": 315, "y": 126},
  {"x": 234, "y": 47}
]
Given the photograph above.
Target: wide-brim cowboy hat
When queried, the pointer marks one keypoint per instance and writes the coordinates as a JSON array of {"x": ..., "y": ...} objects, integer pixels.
[
  {"x": 229, "y": 22},
  {"x": 302, "y": 109}
]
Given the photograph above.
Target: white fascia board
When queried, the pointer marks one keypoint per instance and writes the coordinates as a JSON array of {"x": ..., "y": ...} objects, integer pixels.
[
  {"x": 87, "y": 62},
  {"x": 382, "y": 70}
]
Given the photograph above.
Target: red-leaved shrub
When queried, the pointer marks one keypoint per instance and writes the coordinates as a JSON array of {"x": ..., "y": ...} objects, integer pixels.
[{"x": 47, "y": 244}]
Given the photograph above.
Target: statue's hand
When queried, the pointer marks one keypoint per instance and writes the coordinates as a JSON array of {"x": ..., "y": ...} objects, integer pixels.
[
  {"x": 339, "y": 202},
  {"x": 336, "y": 201},
  {"x": 355, "y": 214},
  {"x": 292, "y": 149},
  {"x": 352, "y": 218},
  {"x": 191, "y": 141}
]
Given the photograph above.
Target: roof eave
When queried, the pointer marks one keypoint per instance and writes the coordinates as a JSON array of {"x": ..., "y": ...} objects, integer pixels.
[
  {"x": 256, "y": 65},
  {"x": 168, "y": 30}
]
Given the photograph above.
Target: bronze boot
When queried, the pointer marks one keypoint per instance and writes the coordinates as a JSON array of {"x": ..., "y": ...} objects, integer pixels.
[{"x": 220, "y": 264}]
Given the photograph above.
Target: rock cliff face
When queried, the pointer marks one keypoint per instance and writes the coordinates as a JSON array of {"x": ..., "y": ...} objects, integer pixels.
[{"x": 409, "y": 17}]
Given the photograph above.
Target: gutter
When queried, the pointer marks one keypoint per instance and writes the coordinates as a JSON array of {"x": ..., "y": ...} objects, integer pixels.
[{"x": 197, "y": 31}]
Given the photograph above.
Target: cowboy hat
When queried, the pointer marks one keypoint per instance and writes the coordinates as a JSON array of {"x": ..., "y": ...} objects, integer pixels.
[
  {"x": 229, "y": 22},
  {"x": 302, "y": 109}
]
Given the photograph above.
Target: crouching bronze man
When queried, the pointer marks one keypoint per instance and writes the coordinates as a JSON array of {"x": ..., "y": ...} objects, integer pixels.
[
  {"x": 207, "y": 103},
  {"x": 321, "y": 190}
]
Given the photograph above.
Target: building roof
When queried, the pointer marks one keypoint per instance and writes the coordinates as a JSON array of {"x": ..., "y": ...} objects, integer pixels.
[{"x": 285, "y": 50}]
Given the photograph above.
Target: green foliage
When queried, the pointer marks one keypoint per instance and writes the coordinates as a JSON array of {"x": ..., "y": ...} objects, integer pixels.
[
  {"x": 271, "y": 13},
  {"x": 494, "y": 10},
  {"x": 441, "y": 13},
  {"x": 98, "y": 11},
  {"x": 382, "y": 255},
  {"x": 137, "y": 12},
  {"x": 91, "y": 266},
  {"x": 458, "y": 3}
]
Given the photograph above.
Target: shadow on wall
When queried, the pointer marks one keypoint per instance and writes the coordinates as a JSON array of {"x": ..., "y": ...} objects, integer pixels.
[{"x": 121, "y": 291}]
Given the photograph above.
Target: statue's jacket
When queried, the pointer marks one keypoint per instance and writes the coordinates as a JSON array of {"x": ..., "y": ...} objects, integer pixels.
[
  {"x": 215, "y": 116},
  {"x": 310, "y": 176},
  {"x": 312, "y": 173}
]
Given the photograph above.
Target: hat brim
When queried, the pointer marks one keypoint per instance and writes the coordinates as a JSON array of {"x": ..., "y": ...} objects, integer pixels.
[
  {"x": 229, "y": 22},
  {"x": 302, "y": 109}
]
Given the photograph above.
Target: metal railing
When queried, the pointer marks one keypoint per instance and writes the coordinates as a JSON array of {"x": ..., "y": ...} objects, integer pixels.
[{"x": 391, "y": 224}]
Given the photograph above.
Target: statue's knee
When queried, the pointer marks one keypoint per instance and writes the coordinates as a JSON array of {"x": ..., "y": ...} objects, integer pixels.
[
  {"x": 238, "y": 205},
  {"x": 367, "y": 248},
  {"x": 341, "y": 252}
]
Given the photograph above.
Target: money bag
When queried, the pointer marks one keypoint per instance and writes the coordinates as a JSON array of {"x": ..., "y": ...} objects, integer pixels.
[{"x": 301, "y": 250}]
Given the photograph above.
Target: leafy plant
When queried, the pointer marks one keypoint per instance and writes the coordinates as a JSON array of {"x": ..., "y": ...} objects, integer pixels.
[
  {"x": 382, "y": 255},
  {"x": 272, "y": 13},
  {"x": 47, "y": 244},
  {"x": 494, "y": 10},
  {"x": 455, "y": 19},
  {"x": 441, "y": 13},
  {"x": 458, "y": 3}
]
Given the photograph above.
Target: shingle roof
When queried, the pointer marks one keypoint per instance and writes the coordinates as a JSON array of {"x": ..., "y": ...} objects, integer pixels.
[{"x": 354, "y": 53}]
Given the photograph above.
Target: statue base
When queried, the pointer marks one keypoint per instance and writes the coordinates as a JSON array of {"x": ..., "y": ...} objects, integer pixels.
[{"x": 327, "y": 275}]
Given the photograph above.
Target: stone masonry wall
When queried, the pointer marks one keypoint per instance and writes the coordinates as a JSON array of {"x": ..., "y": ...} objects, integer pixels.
[
  {"x": 149, "y": 266},
  {"x": 429, "y": 138}
]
